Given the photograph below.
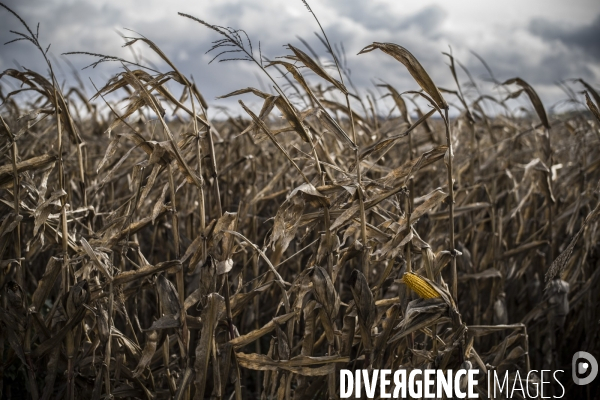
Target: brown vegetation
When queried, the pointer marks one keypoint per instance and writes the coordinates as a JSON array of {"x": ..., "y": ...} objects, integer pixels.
[{"x": 148, "y": 251}]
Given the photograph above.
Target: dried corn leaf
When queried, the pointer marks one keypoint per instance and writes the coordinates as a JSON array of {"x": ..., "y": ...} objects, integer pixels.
[{"x": 413, "y": 66}]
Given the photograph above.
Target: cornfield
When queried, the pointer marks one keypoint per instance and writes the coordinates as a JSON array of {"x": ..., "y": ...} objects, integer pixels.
[{"x": 150, "y": 251}]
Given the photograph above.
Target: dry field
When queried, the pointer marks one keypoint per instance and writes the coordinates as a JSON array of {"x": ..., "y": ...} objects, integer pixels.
[{"x": 149, "y": 251}]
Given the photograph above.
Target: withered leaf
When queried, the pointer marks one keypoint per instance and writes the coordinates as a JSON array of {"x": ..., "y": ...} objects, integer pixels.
[
  {"x": 325, "y": 291},
  {"x": 315, "y": 67},
  {"x": 533, "y": 97},
  {"x": 413, "y": 66},
  {"x": 363, "y": 299}
]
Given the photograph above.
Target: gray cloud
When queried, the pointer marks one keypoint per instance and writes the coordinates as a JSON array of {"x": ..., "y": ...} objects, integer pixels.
[
  {"x": 380, "y": 16},
  {"x": 540, "y": 51},
  {"x": 586, "y": 38}
]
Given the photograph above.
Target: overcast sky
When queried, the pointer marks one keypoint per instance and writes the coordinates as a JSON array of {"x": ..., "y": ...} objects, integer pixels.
[{"x": 541, "y": 41}]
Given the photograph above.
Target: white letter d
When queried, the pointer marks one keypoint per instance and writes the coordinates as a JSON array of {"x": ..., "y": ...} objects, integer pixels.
[{"x": 346, "y": 375}]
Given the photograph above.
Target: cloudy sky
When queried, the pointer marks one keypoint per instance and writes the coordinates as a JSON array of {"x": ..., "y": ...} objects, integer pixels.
[{"x": 541, "y": 41}]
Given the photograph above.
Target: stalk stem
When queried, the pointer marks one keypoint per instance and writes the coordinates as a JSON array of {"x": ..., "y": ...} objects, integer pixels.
[{"x": 451, "y": 207}]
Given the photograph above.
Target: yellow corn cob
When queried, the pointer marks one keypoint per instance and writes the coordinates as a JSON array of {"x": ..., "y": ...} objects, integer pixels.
[{"x": 419, "y": 285}]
